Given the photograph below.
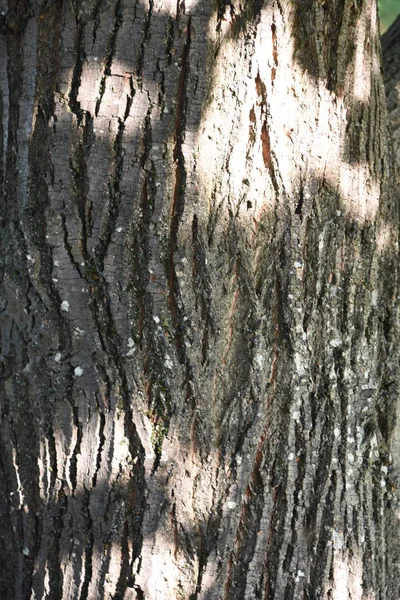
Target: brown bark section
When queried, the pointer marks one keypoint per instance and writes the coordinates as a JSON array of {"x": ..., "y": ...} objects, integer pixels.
[{"x": 199, "y": 364}]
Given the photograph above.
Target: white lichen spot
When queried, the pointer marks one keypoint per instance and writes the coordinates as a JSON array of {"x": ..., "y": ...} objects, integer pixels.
[
  {"x": 57, "y": 357},
  {"x": 299, "y": 362},
  {"x": 119, "y": 229},
  {"x": 384, "y": 469},
  {"x": 78, "y": 371},
  {"x": 56, "y": 263},
  {"x": 29, "y": 257},
  {"x": 383, "y": 483},
  {"x": 259, "y": 359},
  {"x": 350, "y": 458},
  {"x": 25, "y": 551},
  {"x": 296, "y": 415},
  {"x": 346, "y": 373},
  {"x": 131, "y": 346},
  {"x": 298, "y": 265},
  {"x": 238, "y": 459},
  {"x": 374, "y": 298},
  {"x": 336, "y": 432},
  {"x": 231, "y": 505},
  {"x": 156, "y": 320},
  {"x": 335, "y": 343},
  {"x": 338, "y": 540},
  {"x": 299, "y": 575},
  {"x": 290, "y": 456},
  {"x": 65, "y": 305}
]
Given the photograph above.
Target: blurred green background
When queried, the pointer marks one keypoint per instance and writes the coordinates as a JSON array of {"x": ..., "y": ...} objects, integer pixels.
[{"x": 388, "y": 11}]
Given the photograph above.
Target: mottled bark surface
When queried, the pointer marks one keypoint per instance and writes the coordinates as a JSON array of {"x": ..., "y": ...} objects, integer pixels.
[
  {"x": 391, "y": 61},
  {"x": 199, "y": 326}
]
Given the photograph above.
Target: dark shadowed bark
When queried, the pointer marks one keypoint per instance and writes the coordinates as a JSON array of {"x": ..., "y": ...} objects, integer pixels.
[{"x": 199, "y": 302}]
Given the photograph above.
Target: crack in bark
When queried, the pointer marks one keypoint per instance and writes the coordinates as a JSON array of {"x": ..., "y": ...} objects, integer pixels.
[
  {"x": 125, "y": 580},
  {"x": 77, "y": 448},
  {"x": 202, "y": 286},
  {"x": 54, "y": 558},
  {"x": 78, "y": 166},
  {"x": 96, "y": 20},
  {"x": 110, "y": 52},
  {"x": 89, "y": 545},
  {"x": 169, "y": 40},
  {"x": 102, "y": 440},
  {"x": 145, "y": 39},
  {"x": 80, "y": 56},
  {"x": 176, "y": 211},
  {"x": 113, "y": 193},
  {"x": 246, "y": 533},
  {"x": 53, "y": 457}
]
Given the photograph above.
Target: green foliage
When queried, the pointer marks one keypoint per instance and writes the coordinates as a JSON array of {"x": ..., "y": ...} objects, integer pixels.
[{"x": 388, "y": 11}]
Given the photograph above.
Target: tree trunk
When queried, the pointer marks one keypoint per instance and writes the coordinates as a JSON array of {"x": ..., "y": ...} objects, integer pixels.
[
  {"x": 199, "y": 319},
  {"x": 391, "y": 60}
]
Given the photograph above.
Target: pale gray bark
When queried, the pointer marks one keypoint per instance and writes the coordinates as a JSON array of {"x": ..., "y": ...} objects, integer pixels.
[{"x": 199, "y": 319}]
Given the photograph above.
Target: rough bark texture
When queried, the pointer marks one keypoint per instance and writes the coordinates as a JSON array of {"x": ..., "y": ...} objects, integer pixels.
[
  {"x": 199, "y": 309},
  {"x": 391, "y": 60}
]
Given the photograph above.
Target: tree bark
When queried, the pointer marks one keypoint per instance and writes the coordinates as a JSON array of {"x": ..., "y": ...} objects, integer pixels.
[
  {"x": 199, "y": 309},
  {"x": 391, "y": 61}
]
